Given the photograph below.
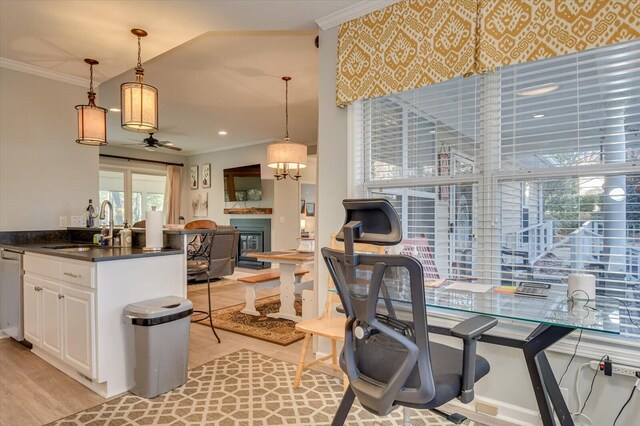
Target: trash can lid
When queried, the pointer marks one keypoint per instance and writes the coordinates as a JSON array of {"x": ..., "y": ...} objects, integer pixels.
[{"x": 156, "y": 308}]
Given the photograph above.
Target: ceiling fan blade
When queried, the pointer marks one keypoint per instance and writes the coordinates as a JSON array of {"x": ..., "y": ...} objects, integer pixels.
[
  {"x": 166, "y": 143},
  {"x": 175, "y": 148}
]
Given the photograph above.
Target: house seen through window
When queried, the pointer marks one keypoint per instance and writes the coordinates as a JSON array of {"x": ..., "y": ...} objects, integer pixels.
[{"x": 527, "y": 174}]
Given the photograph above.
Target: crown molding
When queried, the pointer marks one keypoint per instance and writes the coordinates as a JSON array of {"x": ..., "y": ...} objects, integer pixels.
[
  {"x": 43, "y": 72},
  {"x": 352, "y": 12}
]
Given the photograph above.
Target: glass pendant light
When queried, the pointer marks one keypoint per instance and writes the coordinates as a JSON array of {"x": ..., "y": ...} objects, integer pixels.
[
  {"x": 287, "y": 156},
  {"x": 139, "y": 101},
  {"x": 92, "y": 119}
]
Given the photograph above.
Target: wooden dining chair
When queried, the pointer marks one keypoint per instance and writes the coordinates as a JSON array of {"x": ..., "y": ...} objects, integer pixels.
[{"x": 327, "y": 325}]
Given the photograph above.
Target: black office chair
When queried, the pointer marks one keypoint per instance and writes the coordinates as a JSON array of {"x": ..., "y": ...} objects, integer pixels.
[{"x": 387, "y": 355}]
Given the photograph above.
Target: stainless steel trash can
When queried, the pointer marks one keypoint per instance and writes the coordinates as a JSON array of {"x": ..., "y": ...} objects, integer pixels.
[{"x": 161, "y": 343}]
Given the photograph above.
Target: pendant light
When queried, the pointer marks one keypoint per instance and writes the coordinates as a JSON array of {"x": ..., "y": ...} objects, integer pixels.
[
  {"x": 139, "y": 101},
  {"x": 287, "y": 156},
  {"x": 92, "y": 119}
]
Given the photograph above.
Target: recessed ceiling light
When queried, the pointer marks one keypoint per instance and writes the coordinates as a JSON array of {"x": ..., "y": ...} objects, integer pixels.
[
  {"x": 114, "y": 109},
  {"x": 538, "y": 115},
  {"x": 539, "y": 90},
  {"x": 222, "y": 132}
]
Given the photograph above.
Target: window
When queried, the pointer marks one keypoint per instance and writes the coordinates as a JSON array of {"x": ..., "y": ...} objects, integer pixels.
[
  {"x": 112, "y": 189},
  {"x": 526, "y": 174},
  {"x": 131, "y": 192}
]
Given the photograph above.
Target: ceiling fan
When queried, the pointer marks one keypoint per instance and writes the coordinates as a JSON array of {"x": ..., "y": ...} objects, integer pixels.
[{"x": 151, "y": 144}]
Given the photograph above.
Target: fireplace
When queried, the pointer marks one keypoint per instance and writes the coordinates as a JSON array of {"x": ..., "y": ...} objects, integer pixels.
[{"x": 255, "y": 236}]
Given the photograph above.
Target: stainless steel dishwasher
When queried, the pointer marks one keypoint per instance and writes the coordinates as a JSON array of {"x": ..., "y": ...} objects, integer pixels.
[{"x": 11, "y": 320}]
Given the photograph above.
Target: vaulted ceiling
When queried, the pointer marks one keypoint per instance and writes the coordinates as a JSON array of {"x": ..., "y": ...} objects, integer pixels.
[{"x": 217, "y": 64}]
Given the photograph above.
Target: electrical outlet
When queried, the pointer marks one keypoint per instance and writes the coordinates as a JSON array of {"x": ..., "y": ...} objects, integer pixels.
[
  {"x": 281, "y": 219},
  {"x": 63, "y": 221},
  {"x": 78, "y": 221},
  {"x": 623, "y": 370}
]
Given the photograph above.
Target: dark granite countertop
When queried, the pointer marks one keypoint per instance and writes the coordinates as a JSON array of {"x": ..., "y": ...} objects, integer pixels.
[
  {"x": 142, "y": 230},
  {"x": 93, "y": 254},
  {"x": 43, "y": 242}
]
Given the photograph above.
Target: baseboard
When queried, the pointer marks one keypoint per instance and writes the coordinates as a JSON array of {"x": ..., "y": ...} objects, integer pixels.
[{"x": 508, "y": 414}]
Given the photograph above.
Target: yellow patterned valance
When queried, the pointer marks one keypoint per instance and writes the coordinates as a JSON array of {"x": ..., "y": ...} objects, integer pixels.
[
  {"x": 407, "y": 45},
  {"x": 518, "y": 31},
  {"x": 415, "y": 43}
]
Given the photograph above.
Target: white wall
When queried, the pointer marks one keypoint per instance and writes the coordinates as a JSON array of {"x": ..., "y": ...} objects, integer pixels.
[
  {"x": 219, "y": 161},
  {"x": 285, "y": 226},
  {"x": 44, "y": 174},
  {"x": 332, "y": 157},
  {"x": 281, "y": 196},
  {"x": 508, "y": 382}
]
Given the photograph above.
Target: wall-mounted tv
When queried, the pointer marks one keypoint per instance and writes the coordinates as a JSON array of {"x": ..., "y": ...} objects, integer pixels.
[{"x": 243, "y": 183}]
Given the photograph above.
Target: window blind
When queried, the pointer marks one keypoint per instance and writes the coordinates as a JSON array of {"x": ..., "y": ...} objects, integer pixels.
[{"x": 530, "y": 173}]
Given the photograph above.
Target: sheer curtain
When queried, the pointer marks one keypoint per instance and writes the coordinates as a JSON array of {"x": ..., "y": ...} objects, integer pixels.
[{"x": 172, "y": 194}]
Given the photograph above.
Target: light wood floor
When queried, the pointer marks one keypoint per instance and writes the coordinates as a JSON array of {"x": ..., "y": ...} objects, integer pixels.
[{"x": 34, "y": 393}]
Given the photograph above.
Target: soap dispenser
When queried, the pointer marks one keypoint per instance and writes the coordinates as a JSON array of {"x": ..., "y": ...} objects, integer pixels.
[{"x": 125, "y": 235}]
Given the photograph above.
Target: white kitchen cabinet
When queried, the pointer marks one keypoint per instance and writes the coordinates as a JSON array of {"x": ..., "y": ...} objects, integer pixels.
[
  {"x": 59, "y": 308},
  {"x": 77, "y": 328},
  {"x": 51, "y": 318},
  {"x": 82, "y": 302},
  {"x": 32, "y": 310}
]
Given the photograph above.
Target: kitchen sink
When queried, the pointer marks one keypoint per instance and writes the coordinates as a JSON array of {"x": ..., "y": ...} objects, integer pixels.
[{"x": 74, "y": 247}]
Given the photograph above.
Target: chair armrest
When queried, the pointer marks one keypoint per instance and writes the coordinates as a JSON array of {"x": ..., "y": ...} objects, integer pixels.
[
  {"x": 473, "y": 327},
  {"x": 470, "y": 331}
]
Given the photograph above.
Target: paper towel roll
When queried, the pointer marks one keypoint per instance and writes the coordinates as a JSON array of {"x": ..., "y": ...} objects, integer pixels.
[
  {"x": 582, "y": 287},
  {"x": 153, "y": 230}
]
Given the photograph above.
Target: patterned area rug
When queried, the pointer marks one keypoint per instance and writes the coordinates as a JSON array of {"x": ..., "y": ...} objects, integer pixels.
[
  {"x": 260, "y": 327},
  {"x": 242, "y": 389}
]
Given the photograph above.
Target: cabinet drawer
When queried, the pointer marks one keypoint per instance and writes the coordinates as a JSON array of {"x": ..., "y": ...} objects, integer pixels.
[
  {"x": 44, "y": 266},
  {"x": 76, "y": 273}
]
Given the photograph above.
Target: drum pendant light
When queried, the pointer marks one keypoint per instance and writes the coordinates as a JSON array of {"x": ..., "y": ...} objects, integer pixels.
[
  {"x": 92, "y": 119},
  {"x": 139, "y": 101},
  {"x": 287, "y": 156}
]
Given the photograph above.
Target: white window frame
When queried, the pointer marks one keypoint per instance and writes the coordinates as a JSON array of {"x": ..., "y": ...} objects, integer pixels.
[
  {"x": 128, "y": 172},
  {"x": 592, "y": 345}
]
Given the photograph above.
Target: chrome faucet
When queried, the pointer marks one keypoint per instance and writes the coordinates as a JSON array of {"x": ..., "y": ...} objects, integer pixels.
[{"x": 107, "y": 203}]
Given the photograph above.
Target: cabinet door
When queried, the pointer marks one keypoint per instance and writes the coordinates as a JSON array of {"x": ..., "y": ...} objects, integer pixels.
[
  {"x": 51, "y": 318},
  {"x": 32, "y": 310},
  {"x": 77, "y": 319}
]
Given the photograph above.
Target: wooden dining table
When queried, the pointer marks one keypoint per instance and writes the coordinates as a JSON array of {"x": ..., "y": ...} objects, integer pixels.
[{"x": 289, "y": 261}]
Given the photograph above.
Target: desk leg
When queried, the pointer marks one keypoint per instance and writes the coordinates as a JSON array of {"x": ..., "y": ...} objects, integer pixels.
[
  {"x": 544, "y": 382},
  {"x": 287, "y": 294}
]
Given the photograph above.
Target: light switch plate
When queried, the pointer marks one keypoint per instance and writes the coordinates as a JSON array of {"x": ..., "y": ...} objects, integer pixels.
[
  {"x": 77, "y": 221},
  {"x": 63, "y": 221}
]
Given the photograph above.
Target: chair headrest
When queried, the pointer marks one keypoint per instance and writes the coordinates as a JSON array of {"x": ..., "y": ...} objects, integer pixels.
[{"x": 379, "y": 220}]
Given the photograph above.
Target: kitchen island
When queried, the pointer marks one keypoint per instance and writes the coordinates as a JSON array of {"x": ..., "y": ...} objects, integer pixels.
[{"x": 73, "y": 296}]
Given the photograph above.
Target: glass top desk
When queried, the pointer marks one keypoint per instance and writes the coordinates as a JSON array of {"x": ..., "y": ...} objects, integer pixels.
[{"x": 554, "y": 316}]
